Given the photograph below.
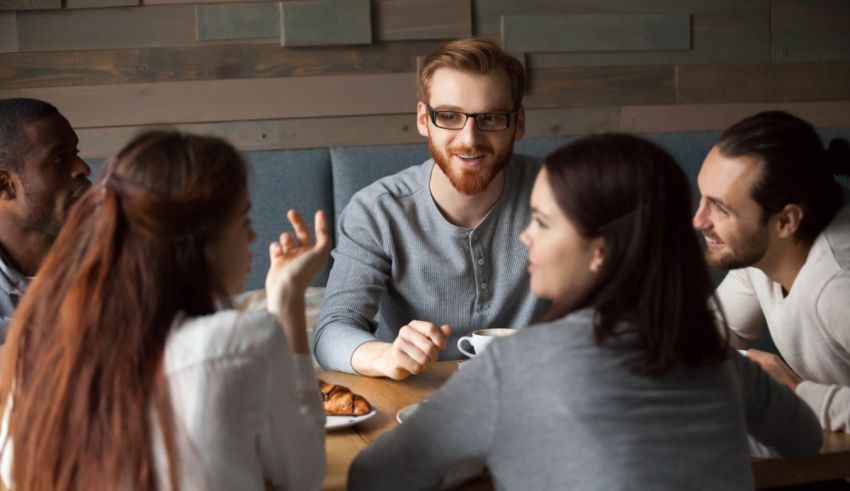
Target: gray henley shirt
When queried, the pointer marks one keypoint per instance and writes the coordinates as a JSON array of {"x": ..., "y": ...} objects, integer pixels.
[{"x": 398, "y": 256}]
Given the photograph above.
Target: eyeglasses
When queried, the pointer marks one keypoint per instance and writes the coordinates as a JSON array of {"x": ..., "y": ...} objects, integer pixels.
[{"x": 455, "y": 120}]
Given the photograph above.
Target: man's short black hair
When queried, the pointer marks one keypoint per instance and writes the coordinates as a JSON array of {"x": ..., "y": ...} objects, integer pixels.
[{"x": 15, "y": 114}]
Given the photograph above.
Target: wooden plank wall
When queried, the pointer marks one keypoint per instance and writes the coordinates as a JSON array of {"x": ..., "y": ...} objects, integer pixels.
[{"x": 309, "y": 73}]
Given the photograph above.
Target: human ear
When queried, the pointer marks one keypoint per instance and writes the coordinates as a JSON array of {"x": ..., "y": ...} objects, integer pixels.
[
  {"x": 8, "y": 189},
  {"x": 598, "y": 255},
  {"x": 788, "y": 220},
  {"x": 520, "y": 123},
  {"x": 422, "y": 119}
]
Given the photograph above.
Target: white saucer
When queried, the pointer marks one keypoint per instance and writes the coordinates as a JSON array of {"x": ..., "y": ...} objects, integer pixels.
[
  {"x": 339, "y": 422},
  {"x": 406, "y": 411}
]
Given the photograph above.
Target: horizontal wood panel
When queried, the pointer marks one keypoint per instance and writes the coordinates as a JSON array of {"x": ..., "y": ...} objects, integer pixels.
[
  {"x": 238, "y": 21},
  {"x": 65, "y": 30},
  {"x": 30, "y": 4},
  {"x": 705, "y": 117},
  {"x": 103, "y": 67},
  {"x": 810, "y": 15},
  {"x": 721, "y": 15},
  {"x": 553, "y": 33},
  {"x": 708, "y": 47},
  {"x": 571, "y": 121},
  {"x": 273, "y": 134},
  {"x": 397, "y": 20},
  {"x": 8, "y": 34},
  {"x": 228, "y": 100},
  {"x": 326, "y": 22},
  {"x": 796, "y": 46},
  {"x": 99, "y": 4},
  {"x": 763, "y": 82},
  {"x": 601, "y": 86}
]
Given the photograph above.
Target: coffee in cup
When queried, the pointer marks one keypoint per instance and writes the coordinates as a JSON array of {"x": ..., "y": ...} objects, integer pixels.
[{"x": 481, "y": 338}]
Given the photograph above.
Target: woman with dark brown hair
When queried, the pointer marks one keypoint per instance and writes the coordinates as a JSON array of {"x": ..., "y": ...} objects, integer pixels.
[
  {"x": 629, "y": 385},
  {"x": 123, "y": 371}
]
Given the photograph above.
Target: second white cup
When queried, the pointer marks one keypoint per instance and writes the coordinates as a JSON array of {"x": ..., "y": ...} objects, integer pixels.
[{"x": 481, "y": 338}]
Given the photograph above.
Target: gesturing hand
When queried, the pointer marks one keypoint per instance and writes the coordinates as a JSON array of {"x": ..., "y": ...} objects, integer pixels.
[{"x": 296, "y": 259}]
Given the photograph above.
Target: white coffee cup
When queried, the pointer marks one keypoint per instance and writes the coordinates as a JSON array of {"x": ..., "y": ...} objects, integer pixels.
[{"x": 481, "y": 338}]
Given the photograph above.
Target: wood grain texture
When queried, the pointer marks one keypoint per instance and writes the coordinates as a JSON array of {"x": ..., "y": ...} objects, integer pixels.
[
  {"x": 704, "y": 117},
  {"x": 816, "y": 46},
  {"x": 325, "y": 22},
  {"x": 8, "y": 34},
  {"x": 708, "y": 15},
  {"x": 763, "y": 82},
  {"x": 238, "y": 21},
  {"x": 396, "y": 20},
  {"x": 30, "y": 4},
  {"x": 708, "y": 47},
  {"x": 66, "y": 30},
  {"x": 636, "y": 32},
  {"x": 99, "y": 4},
  {"x": 104, "y": 67},
  {"x": 601, "y": 86},
  {"x": 572, "y": 121},
  {"x": 229, "y": 100},
  {"x": 389, "y": 129},
  {"x": 810, "y": 15}
]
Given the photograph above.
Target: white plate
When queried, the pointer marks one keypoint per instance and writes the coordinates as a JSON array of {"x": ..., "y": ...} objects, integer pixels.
[
  {"x": 406, "y": 411},
  {"x": 339, "y": 422}
]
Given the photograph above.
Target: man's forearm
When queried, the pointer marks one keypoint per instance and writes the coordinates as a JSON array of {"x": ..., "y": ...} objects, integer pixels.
[{"x": 365, "y": 359}]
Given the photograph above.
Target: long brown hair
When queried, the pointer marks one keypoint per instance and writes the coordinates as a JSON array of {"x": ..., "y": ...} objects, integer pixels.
[
  {"x": 632, "y": 193},
  {"x": 84, "y": 359}
]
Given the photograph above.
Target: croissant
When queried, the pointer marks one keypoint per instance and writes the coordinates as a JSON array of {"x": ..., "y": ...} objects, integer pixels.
[{"x": 340, "y": 401}]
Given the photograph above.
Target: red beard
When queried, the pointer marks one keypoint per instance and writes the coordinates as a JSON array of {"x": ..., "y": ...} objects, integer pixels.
[{"x": 471, "y": 181}]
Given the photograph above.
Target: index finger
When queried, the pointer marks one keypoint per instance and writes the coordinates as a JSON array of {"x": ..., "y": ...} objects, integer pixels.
[
  {"x": 429, "y": 330},
  {"x": 320, "y": 221},
  {"x": 299, "y": 226}
]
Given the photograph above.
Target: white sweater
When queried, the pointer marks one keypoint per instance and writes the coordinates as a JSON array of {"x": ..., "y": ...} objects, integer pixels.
[{"x": 810, "y": 326}]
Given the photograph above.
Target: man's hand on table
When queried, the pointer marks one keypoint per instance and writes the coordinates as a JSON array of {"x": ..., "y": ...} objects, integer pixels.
[
  {"x": 416, "y": 346},
  {"x": 775, "y": 367}
]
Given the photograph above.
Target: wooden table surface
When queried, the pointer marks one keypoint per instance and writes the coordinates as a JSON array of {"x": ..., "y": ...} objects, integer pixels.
[{"x": 388, "y": 396}]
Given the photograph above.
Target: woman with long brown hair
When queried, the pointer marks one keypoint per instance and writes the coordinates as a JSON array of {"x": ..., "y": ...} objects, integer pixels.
[
  {"x": 630, "y": 385},
  {"x": 123, "y": 369}
]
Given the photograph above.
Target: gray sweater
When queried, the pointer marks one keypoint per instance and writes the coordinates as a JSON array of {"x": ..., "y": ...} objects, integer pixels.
[
  {"x": 548, "y": 409},
  {"x": 397, "y": 256}
]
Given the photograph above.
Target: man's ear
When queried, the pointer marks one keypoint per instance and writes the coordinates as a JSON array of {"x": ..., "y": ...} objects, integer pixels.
[
  {"x": 520, "y": 123},
  {"x": 422, "y": 119},
  {"x": 788, "y": 220},
  {"x": 8, "y": 189}
]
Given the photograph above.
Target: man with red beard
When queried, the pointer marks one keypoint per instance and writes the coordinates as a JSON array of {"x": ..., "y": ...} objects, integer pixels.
[
  {"x": 433, "y": 250},
  {"x": 41, "y": 177},
  {"x": 772, "y": 212}
]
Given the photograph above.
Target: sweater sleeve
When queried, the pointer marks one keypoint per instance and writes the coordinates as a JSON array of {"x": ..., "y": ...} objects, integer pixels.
[
  {"x": 455, "y": 427},
  {"x": 740, "y": 304},
  {"x": 775, "y": 416},
  {"x": 831, "y": 401},
  {"x": 358, "y": 278}
]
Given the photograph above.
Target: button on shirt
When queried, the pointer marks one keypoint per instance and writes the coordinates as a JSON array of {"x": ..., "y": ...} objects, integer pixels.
[{"x": 399, "y": 257}]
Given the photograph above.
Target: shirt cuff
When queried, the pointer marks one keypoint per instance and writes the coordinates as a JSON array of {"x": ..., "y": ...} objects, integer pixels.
[
  {"x": 814, "y": 395},
  {"x": 336, "y": 353}
]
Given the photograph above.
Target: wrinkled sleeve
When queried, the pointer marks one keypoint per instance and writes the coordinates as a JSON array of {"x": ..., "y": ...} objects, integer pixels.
[
  {"x": 358, "y": 278},
  {"x": 741, "y": 308},
  {"x": 292, "y": 442},
  {"x": 831, "y": 402},
  {"x": 454, "y": 429},
  {"x": 775, "y": 416}
]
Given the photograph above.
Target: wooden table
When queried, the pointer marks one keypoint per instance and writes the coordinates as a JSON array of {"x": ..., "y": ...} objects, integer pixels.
[{"x": 389, "y": 396}]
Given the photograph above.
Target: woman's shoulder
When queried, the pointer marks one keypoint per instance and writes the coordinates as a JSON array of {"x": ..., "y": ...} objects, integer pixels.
[{"x": 227, "y": 333}]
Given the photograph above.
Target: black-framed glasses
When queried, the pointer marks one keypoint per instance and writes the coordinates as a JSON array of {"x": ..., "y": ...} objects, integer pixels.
[{"x": 456, "y": 120}]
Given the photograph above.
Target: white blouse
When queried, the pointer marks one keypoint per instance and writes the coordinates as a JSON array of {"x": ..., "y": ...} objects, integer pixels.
[{"x": 247, "y": 412}]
